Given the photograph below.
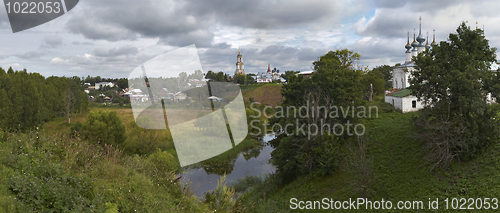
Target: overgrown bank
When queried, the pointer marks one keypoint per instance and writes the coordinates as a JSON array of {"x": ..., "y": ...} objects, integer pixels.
[
  {"x": 399, "y": 174},
  {"x": 45, "y": 173}
]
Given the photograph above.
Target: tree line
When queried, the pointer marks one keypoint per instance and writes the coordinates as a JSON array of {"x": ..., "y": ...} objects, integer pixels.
[{"x": 29, "y": 99}]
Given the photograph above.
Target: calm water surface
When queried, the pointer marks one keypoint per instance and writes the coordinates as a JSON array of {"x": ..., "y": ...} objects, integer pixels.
[{"x": 253, "y": 162}]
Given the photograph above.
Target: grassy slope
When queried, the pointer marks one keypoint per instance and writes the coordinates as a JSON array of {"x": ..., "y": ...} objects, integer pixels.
[
  {"x": 398, "y": 174},
  {"x": 269, "y": 94}
]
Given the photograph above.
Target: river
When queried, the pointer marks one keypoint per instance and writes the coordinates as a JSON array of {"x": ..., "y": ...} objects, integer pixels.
[{"x": 254, "y": 161}]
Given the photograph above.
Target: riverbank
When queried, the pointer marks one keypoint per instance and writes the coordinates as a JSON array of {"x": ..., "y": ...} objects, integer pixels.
[{"x": 399, "y": 174}]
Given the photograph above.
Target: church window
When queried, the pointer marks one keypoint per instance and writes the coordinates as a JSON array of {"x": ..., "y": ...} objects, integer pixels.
[{"x": 414, "y": 104}]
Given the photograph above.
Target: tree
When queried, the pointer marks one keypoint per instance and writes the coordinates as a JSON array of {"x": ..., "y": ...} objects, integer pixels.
[
  {"x": 386, "y": 73},
  {"x": 335, "y": 84},
  {"x": 122, "y": 83},
  {"x": 289, "y": 73},
  {"x": 454, "y": 79},
  {"x": 239, "y": 79},
  {"x": 29, "y": 99},
  {"x": 196, "y": 75},
  {"x": 104, "y": 127},
  {"x": 344, "y": 58},
  {"x": 243, "y": 79},
  {"x": 376, "y": 79},
  {"x": 219, "y": 77}
]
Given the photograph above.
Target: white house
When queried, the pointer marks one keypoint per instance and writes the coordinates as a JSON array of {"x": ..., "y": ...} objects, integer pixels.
[
  {"x": 403, "y": 100},
  {"x": 103, "y": 84}
]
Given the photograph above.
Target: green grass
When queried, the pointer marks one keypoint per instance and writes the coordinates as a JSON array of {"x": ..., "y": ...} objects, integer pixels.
[
  {"x": 399, "y": 174},
  {"x": 40, "y": 173}
]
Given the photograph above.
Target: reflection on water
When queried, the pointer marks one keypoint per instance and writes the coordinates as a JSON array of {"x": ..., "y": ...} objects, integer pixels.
[{"x": 254, "y": 161}]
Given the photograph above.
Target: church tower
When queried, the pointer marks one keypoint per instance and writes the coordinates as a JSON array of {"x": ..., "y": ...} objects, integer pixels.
[
  {"x": 239, "y": 64},
  {"x": 420, "y": 38}
]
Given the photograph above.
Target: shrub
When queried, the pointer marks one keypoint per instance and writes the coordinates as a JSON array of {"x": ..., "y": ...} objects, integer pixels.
[
  {"x": 222, "y": 199},
  {"x": 164, "y": 161},
  {"x": 76, "y": 129},
  {"x": 104, "y": 127}
]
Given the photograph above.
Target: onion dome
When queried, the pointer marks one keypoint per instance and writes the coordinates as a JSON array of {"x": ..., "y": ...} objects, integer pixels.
[
  {"x": 434, "y": 39},
  {"x": 420, "y": 38},
  {"x": 408, "y": 45},
  {"x": 427, "y": 46},
  {"x": 414, "y": 43}
]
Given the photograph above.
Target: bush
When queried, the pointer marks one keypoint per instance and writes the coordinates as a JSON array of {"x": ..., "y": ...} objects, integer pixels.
[
  {"x": 104, "y": 127},
  {"x": 222, "y": 199},
  {"x": 76, "y": 129},
  {"x": 46, "y": 186},
  {"x": 164, "y": 161},
  {"x": 295, "y": 156}
]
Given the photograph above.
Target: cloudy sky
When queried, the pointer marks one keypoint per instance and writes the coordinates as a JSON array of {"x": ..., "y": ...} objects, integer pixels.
[{"x": 110, "y": 38}]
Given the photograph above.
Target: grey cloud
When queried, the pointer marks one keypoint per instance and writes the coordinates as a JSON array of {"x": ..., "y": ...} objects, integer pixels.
[
  {"x": 30, "y": 54},
  {"x": 113, "y": 52},
  {"x": 52, "y": 41},
  {"x": 129, "y": 20},
  {"x": 82, "y": 43},
  {"x": 94, "y": 28},
  {"x": 388, "y": 24},
  {"x": 181, "y": 23},
  {"x": 201, "y": 38},
  {"x": 223, "y": 57},
  {"x": 263, "y": 14},
  {"x": 418, "y": 6},
  {"x": 380, "y": 51}
]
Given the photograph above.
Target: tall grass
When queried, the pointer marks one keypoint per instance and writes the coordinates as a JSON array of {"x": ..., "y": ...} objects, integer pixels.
[{"x": 43, "y": 173}]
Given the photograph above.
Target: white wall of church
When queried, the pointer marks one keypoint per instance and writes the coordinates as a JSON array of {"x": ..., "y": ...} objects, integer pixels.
[
  {"x": 400, "y": 78},
  {"x": 405, "y": 104}
]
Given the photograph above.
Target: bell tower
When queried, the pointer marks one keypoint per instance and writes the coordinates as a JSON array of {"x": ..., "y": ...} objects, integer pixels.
[{"x": 239, "y": 64}]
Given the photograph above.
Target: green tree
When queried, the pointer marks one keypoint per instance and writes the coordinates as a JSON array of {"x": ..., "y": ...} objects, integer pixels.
[
  {"x": 336, "y": 83},
  {"x": 122, "y": 83},
  {"x": 243, "y": 79},
  {"x": 104, "y": 127},
  {"x": 454, "y": 79},
  {"x": 219, "y": 77},
  {"x": 376, "y": 79},
  {"x": 289, "y": 73},
  {"x": 386, "y": 72},
  {"x": 344, "y": 58}
]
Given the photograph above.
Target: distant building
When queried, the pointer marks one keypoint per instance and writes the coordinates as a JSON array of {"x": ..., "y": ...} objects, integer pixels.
[
  {"x": 164, "y": 93},
  {"x": 306, "y": 73},
  {"x": 239, "y": 64},
  {"x": 214, "y": 98},
  {"x": 268, "y": 76},
  {"x": 179, "y": 96},
  {"x": 103, "y": 84}
]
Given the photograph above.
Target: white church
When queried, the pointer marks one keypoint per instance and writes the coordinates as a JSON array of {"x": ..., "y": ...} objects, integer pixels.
[{"x": 400, "y": 97}]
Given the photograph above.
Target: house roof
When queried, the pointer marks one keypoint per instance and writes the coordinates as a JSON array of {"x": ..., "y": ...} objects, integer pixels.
[
  {"x": 401, "y": 93},
  {"x": 409, "y": 64},
  {"x": 310, "y": 72}
]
